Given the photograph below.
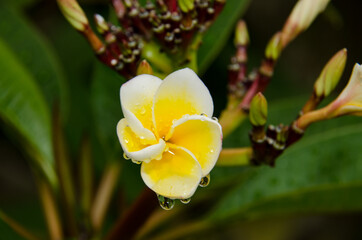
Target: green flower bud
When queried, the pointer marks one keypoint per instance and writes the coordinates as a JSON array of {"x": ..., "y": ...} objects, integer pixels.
[
  {"x": 241, "y": 34},
  {"x": 186, "y": 5},
  {"x": 330, "y": 75},
  {"x": 258, "y": 110},
  {"x": 74, "y": 14},
  {"x": 274, "y": 47},
  {"x": 144, "y": 68}
]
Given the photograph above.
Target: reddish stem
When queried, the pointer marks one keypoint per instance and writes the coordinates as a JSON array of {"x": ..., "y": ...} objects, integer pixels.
[{"x": 134, "y": 218}]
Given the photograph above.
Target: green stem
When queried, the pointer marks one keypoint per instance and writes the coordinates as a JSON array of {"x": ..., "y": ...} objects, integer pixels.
[
  {"x": 151, "y": 52},
  {"x": 50, "y": 211},
  {"x": 232, "y": 116},
  {"x": 104, "y": 194},
  {"x": 17, "y": 227},
  {"x": 235, "y": 157},
  {"x": 86, "y": 177},
  {"x": 64, "y": 173}
]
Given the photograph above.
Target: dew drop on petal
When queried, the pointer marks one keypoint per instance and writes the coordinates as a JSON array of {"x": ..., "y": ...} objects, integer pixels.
[
  {"x": 136, "y": 162},
  {"x": 203, "y": 114},
  {"x": 185, "y": 201},
  {"x": 143, "y": 111},
  {"x": 205, "y": 181},
  {"x": 125, "y": 156},
  {"x": 215, "y": 119},
  {"x": 166, "y": 203}
]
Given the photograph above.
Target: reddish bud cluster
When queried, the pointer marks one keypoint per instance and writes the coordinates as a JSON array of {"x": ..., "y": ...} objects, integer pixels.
[{"x": 173, "y": 28}]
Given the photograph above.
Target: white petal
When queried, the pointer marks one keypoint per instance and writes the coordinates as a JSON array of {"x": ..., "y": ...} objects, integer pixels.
[
  {"x": 133, "y": 146},
  {"x": 354, "y": 86},
  {"x": 200, "y": 135},
  {"x": 182, "y": 92},
  {"x": 137, "y": 100},
  {"x": 177, "y": 175}
]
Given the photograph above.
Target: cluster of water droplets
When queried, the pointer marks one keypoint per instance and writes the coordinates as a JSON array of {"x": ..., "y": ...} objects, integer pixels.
[
  {"x": 128, "y": 158},
  {"x": 213, "y": 118},
  {"x": 168, "y": 203}
]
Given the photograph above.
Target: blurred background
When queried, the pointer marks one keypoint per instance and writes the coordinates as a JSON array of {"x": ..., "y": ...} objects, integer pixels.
[{"x": 338, "y": 27}]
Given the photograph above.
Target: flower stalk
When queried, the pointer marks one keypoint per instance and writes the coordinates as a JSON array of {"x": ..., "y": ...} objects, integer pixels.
[
  {"x": 103, "y": 194},
  {"x": 235, "y": 157},
  {"x": 327, "y": 80},
  {"x": 64, "y": 172}
]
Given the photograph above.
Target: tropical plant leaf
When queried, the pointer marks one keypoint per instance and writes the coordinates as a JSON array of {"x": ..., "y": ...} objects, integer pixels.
[
  {"x": 219, "y": 32},
  {"x": 106, "y": 106},
  {"x": 107, "y": 112},
  {"x": 322, "y": 172},
  {"x": 34, "y": 52},
  {"x": 23, "y": 107},
  {"x": 19, "y": 3}
]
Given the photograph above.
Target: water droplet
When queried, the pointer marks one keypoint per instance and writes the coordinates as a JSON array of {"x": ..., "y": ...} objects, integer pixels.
[
  {"x": 215, "y": 119},
  {"x": 136, "y": 162},
  {"x": 166, "y": 203},
  {"x": 185, "y": 201},
  {"x": 143, "y": 111},
  {"x": 205, "y": 181},
  {"x": 203, "y": 114},
  {"x": 125, "y": 156}
]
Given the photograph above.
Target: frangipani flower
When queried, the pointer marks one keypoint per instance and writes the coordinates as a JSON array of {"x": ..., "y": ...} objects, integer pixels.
[{"x": 168, "y": 128}]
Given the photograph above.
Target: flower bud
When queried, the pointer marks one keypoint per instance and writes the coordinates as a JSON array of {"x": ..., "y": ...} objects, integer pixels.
[
  {"x": 258, "y": 110},
  {"x": 74, "y": 14},
  {"x": 330, "y": 75},
  {"x": 144, "y": 68},
  {"x": 350, "y": 100},
  {"x": 274, "y": 47},
  {"x": 186, "y": 5},
  {"x": 303, "y": 14},
  {"x": 241, "y": 34}
]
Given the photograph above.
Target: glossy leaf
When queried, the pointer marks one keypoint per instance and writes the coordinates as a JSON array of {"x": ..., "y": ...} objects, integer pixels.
[
  {"x": 34, "y": 52},
  {"x": 322, "y": 172},
  {"x": 107, "y": 112},
  {"x": 23, "y": 108},
  {"x": 106, "y": 106},
  {"x": 219, "y": 32}
]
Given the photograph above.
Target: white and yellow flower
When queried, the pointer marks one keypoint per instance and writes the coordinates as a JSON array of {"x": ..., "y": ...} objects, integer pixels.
[{"x": 169, "y": 129}]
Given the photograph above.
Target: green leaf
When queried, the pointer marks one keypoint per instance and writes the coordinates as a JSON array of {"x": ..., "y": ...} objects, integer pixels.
[
  {"x": 19, "y": 3},
  {"x": 106, "y": 106},
  {"x": 107, "y": 112},
  {"x": 23, "y": 107},
  {"x": 32, "y": 49},
  {"x": 219, "y": 32},
  {"x": 322, "y": 172}
]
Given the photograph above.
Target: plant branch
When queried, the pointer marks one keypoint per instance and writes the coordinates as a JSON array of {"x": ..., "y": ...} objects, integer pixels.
[
  {"x": 104, "y": 194},
  {"x": 50, "y": 211},
  {"x": 235, "y": 157},
  {"x": 64, "y": 173},
  {"x": 132, "y": 220}
]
